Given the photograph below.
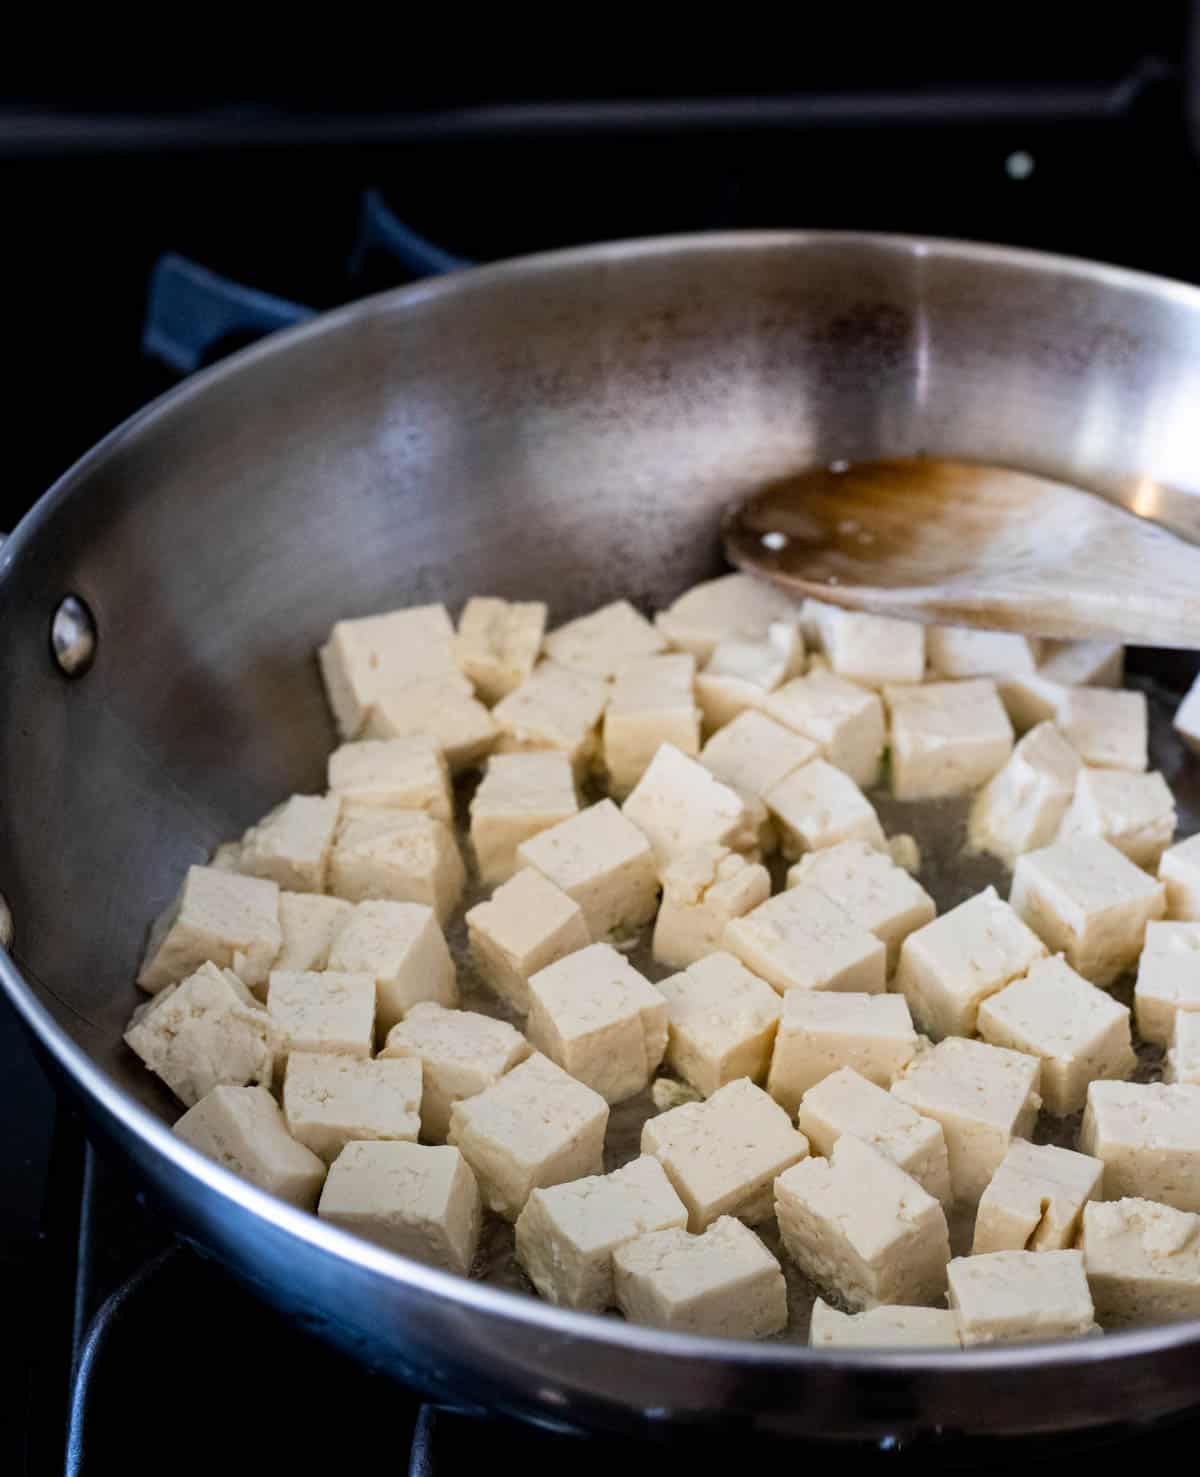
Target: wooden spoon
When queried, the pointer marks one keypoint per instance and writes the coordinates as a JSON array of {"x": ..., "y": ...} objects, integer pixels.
[{"x": 961, "y": 543}]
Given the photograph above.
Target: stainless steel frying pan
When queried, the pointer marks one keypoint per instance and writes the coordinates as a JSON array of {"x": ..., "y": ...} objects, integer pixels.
[{"x": 566, "y": 427}]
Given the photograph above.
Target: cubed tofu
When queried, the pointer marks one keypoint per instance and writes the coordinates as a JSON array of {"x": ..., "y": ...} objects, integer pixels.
[
  {"x": 1021, "y": 808},
  {"x": 652, "y": 703},
  {"x": 227, "y": 857},
  {"x": 408, "y": 773},
  {"x": 331, "y": 1012},
  {"x": 799, "y": 940},
  {"x": 460, "y": 1053},
  {"x": 678, "y": 805},
  {"x": 1133, "y": 812},
  {"x": 723, "y": 1283},
  {"x": 604, "y": 862},
  {"x": 220, "y": 917},
  {"x": 861, "y": 1228},
  {"x": 1142, "y": 1262},
  {"x": 721, "y": 1021},
  {"x": 1187, "y": 717},
  {"x": 567, "y": 1234},
  {"x": 740, "y": 674},
  {"x": 733, "y": 607},
  {"x": 605, "y": 642},
  {"x": 498, "y": 643},
  {"x": 330, "y": 1101},
  {"x": 1035, "y": 1199},
  {"x": 1011, "y": 1296},
  {"x": 309, "y": 923},
  {"x": 519, "y": 796},
  {"x": 1179, "y": 872},
  {"x": 723, "y": 1155},
  {"x": 819, "y": 806},
  {"x": 446, "y": 710},
  {"x": 882, "y": 1328},
  {"x": 1107, "y": 728},
  {"x": 964, "y": 651},
  {"x": 1148, "y": 1135},
  {"x": 870, "y": 888},
  {"x": 983, "y": 1096},
  {"x": 1183, "y": 1055},
  {"x": 243, "y": 1130},
  {"x": 872, "y": 649},
  {"x": 418, "y": 1200},
  {"x": 1083, "y": 663},
  {"x": 821, "y": 1031},
  {"x": 291, "y": 846},
  {"x": 1076, "y": 1031},
  {"x": 206, "y": 1031},
  {"x": 401, "y": 856},
  {"x": 702, "y": 890},
  {"x": 527, "y": 924},
  {"x": 553, "y": 709},
  {"x": 536, "y": 1127},
  {"x": 383, "y": 656},
  {"x": 844, "y": 720},
  {"x": 403, "y": 950},
  {"x": 948, "y": 738},
  {"x": 754, "y": 752},
  {"x": 1031, "y": 699},
  {"x": 949, "y": 968}
]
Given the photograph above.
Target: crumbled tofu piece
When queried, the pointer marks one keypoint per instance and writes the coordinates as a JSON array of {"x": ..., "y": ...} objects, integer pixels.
[
  {"x": 702, "y": 890},
  {"x": 1021, "y": 808},
  {"x": 446, "y": 710},
  {"x": 818, "y": 806},
  {"x": 882, "y": 1328},
  {"x": 873, "y": 649},
  {"x": 721, "y": 1021},
  {"x": 844, "y": 720},
  {"x": 870, "y": 888},
  {"x": 1133, "y": 812},
  {"x": 536, "y": 1127},
  {"x": 418, "y": 1200},
  {"x": 666, "y": 1093},
  {"x": 309, "y": 924},
  {"x": 331, "y": 1100},
  {"x": 1087, "y": 901},
  {"x": 963, "y": 651},
  {"x": 845, "y": 1102},
  {"x": 949, "y": 968},
  {"x": 603, "y": 861},
  {"x": 527, "y": 924},
  {"x": 721, "y": 1284},
  {"x": 207, "y": 1031},
  {"x": 1035, "y": 1199},
  {"x": 821, "y": 1031},
  {"x": 1148, "y": 1135},
  {"x": 905, "y": 852},
  {"x": 678, "y": 805},
  {"x": 383, "y": 656},
  {"x": 227, "y": 857},
  {"x": 408, "y": 773},
  {"x": 799, "y": 940},
  {"x": 402, "y": 948},
  {"x": 554, "y": 709},
  {"x": 222, "y": 917},
  {"x": 863, "y": 1229},
  {"x": 291, "y": 846},
  {"x": 948, "y": 738},
  {"x": 740, "y": 674},
  {"x": 753, "y": 753},
  {"x": 243, "y": 1130},
  {"x": 604, "y": 642},
  {"x": 983, "y": 1096},
  {"x": 1083, "y": 663},
  {"x": 723, "y": 1155},
  {"x": 1142, "y": 1262},
  {"x": 400, "y": 856},
  {"x": 1187, "y": 717},
  {"x": 460, "y": 1054},
  {"x": 1179, "y": 872},
  {"x": 1108, "y": 728},
  {"x": 1007, "y": 1296},
  {"x": 498, "y": 643},
  {"x": 652, "y": 703},
  {"x": 331, "y": 1012},
  {"x": 1183, "y": 1056},
  {"x": 567, "y": 1234},
  {"x": 519, "y": 796},
  {"x": 733, "y": 607}
]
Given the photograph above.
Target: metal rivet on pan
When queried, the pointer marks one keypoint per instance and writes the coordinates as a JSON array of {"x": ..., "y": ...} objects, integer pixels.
[
  {"x": 73, "y": 637},
  {"x": 6, "y": 924}
]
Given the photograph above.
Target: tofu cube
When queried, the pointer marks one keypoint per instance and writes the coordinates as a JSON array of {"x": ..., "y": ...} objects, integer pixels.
[
  {"x": 1187, "y": 717},
  {"x": 331, "y": 1012},
  {"x": 739, "y": 674},
  {"x": 870, "y": 888},
  {"x": 604, "y": 862},
  {"x": 1142, "y": 1261},
  {"x": 799, "y": 940},
  {"x": 754, "y": 752},
  {"x": 983, "y": 1096},
  {"x": 408, "y": 773},
  {"x": 527, "y": 924},
  {"x": 382, "y": 656},
  {"x": 417, "y": 1200},
  {"x": 1183, "y": 1056},
  {"x": 227, "y": 857},
  {"x": 721, "y": 1284},
  {"x": 220, "y": 917},
  {"x": 1107, "y": 728},
  {"x": 882, "y": 1328},
  {"x": 949, "y": 968},
  {"x": 1148, "y": 1135},
  {"x": 603, "y": 643},
  {"x": 1083, "y": 663},
  {"x": 1030, "y": 700},
  {"x": 402, "y": 856},
  {"x": 567, "y": 1234},
  {"x": 207, "y": 1031},
  {"x": 1035, "y": 1199},
  {"x": 652, "y": 703},
  {"x": 1009, "y": 1296},
  {"x": 291, "y": 846},
  {"x": 445, "y": 710},
  {"x": 1179, "y": 872},
  {"x": 678, "y": 805},
  {"x": 1021, "y": 808},
  {"x": 844, "y": 720},
  {"x": 733, "y": 607},
  {"x": 818, "y": 806},
  {"x": 723, "y": 1155},
  {"x": 721, "y": 1023},
  {"x": 861, "y": 1228},
  {"x": 702, "y": 891},
  {"x": 1078, "y": 1032},
  {"x": 519, "y": 796},
  {"x": 498, "y": 643},
  {"x": 534, "y": 1128},
  {"x": 402, "y": 948},
  {"x": 822, "y": 1031},
  {"x": 553, "y": 709},
  {"x": 309, "y": 923},
  {"x": 330, "y": 1100},
  {"x": 948, "y": 738},
  {"x": 243, "y": 1130},
  {"x": 872, "y": 649},
  {"x": 963, "y": 651},
  {"x": 1087, "y": 901},
  {"x": 1133, "y": 812}
]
